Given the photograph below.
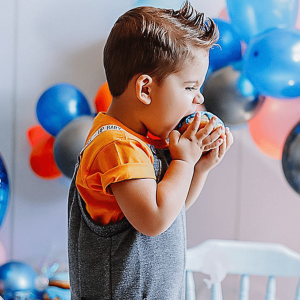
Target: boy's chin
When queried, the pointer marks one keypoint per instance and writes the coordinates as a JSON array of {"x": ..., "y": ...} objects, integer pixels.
[
  {"x": 166, "y": 136},
  {"x": 163, "y": 136}
]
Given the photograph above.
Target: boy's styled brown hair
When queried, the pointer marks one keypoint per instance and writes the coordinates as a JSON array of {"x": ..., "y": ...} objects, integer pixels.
[{"x": 154, "y": 41}]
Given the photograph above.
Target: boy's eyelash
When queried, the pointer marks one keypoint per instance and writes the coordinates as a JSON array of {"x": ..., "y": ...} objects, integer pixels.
[{"x": 190, "y": 88}]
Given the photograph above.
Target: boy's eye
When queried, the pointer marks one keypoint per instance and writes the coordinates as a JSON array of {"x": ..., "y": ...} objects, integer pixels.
[{"x": 190, "y": 88}]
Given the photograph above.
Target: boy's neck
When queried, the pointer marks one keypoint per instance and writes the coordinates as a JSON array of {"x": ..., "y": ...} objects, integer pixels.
[{"x": 124, "y": 110}]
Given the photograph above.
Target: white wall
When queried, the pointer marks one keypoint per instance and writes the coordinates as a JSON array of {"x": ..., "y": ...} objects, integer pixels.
[{"x": 51, "y": 41}]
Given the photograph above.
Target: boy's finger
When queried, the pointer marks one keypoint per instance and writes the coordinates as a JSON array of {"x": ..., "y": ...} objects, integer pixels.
[
  {"x": 215, "y": 152},
  {"x": 223, "y": 146},
  {"x": 213, "y": 145},
  {"x": 207, "y": 129},
  {"x": 174, "y": 137},
  {"x": 193, "y": 128},
  {"x": 229, "y": 138},
  {"x": 217, "y": 133}
]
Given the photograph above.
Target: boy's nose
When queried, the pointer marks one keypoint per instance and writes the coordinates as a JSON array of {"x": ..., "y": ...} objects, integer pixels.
[{"x": 198, "y": 99}]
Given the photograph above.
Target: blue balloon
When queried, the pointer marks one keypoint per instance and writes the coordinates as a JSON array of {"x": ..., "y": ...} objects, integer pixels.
[
  {"x": 229, "y": 49},
  {"x": 173, "y": 4},
  {"x": 4, "y": 190},
  {"x": 16, "y": 276},
  {"x": 209, "y": 71},
  {"x": 253, "y": 17},
  {"x": 272, "y": 63},
  {"x": 291, "y": 158},
  {"x": 59, "y": 105}
]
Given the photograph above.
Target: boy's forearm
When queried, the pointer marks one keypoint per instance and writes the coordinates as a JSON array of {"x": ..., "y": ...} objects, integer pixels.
[
  {"x": 174, "y": 188},
  {"x": 151, "y": 208},
  {"x": 196, "y": 187}
]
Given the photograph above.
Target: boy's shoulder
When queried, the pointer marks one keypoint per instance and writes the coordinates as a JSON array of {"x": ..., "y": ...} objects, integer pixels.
[
  {"x": 109, "y": 143},
  {"x": 111, "y": 131}
]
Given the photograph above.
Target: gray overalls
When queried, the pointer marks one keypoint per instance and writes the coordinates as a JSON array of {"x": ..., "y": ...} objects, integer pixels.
[{"x": 116, "y": 262}]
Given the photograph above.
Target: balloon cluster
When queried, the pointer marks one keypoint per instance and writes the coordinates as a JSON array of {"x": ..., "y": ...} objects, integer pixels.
[
  {"x": 65, "y": 119},
  {"x": 254, "y": 76}
]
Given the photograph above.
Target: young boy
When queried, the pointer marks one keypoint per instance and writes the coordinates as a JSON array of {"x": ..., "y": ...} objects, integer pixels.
[{"x": 128, "y": 196}]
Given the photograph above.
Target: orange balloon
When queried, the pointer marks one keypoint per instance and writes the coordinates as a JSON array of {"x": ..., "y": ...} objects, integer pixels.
[
  {"x": 42, "y": 159},
  {"x": 35, "y": 134},
  {"x": 103, "y": 98},
  {"x": 272, "y": 124}
]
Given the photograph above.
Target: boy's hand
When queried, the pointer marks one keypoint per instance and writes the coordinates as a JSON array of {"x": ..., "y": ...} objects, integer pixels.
[
  {"x": 190, "y": 146},
  {"x": 212, "y": 158}
]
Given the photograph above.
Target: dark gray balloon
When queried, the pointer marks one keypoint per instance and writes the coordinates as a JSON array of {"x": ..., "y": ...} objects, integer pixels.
[
  {"x": 230, "y": 96},
  {"x": 291, "y": 158},
  {"x": 69, "y": 142}
]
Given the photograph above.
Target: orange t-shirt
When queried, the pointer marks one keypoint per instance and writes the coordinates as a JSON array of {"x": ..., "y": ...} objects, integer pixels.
[{"x": 113, "y": 156}]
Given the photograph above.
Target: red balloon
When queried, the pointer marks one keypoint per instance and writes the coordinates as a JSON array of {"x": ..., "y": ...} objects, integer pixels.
[
  {"x": 42, "y": 159},
  {"x": 272, "y": 124},
  {"x": 103, "y": 98},
  {"x": 35, "y": 134}
]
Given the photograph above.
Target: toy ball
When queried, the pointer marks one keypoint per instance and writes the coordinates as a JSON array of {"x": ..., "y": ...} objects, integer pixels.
[
  {"x": 205, "y": 117},
  {"x": 16, "y": 276}
]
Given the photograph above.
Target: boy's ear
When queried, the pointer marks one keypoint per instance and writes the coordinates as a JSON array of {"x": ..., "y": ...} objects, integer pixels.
[{"x": 143, "y": 88}]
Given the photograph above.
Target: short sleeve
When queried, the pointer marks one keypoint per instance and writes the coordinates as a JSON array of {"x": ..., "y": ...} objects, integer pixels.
[{"x": 122, "y": 160}]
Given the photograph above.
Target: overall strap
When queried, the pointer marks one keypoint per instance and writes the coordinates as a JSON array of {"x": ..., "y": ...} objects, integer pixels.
[{"x": 100, "y": 130}]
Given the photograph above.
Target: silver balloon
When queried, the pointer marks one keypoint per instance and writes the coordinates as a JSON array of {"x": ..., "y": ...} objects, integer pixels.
[
  {"x": 69, "y": 142},
  {"x": 291, "y": 158},
  {"x": 231, "y": 96}
]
